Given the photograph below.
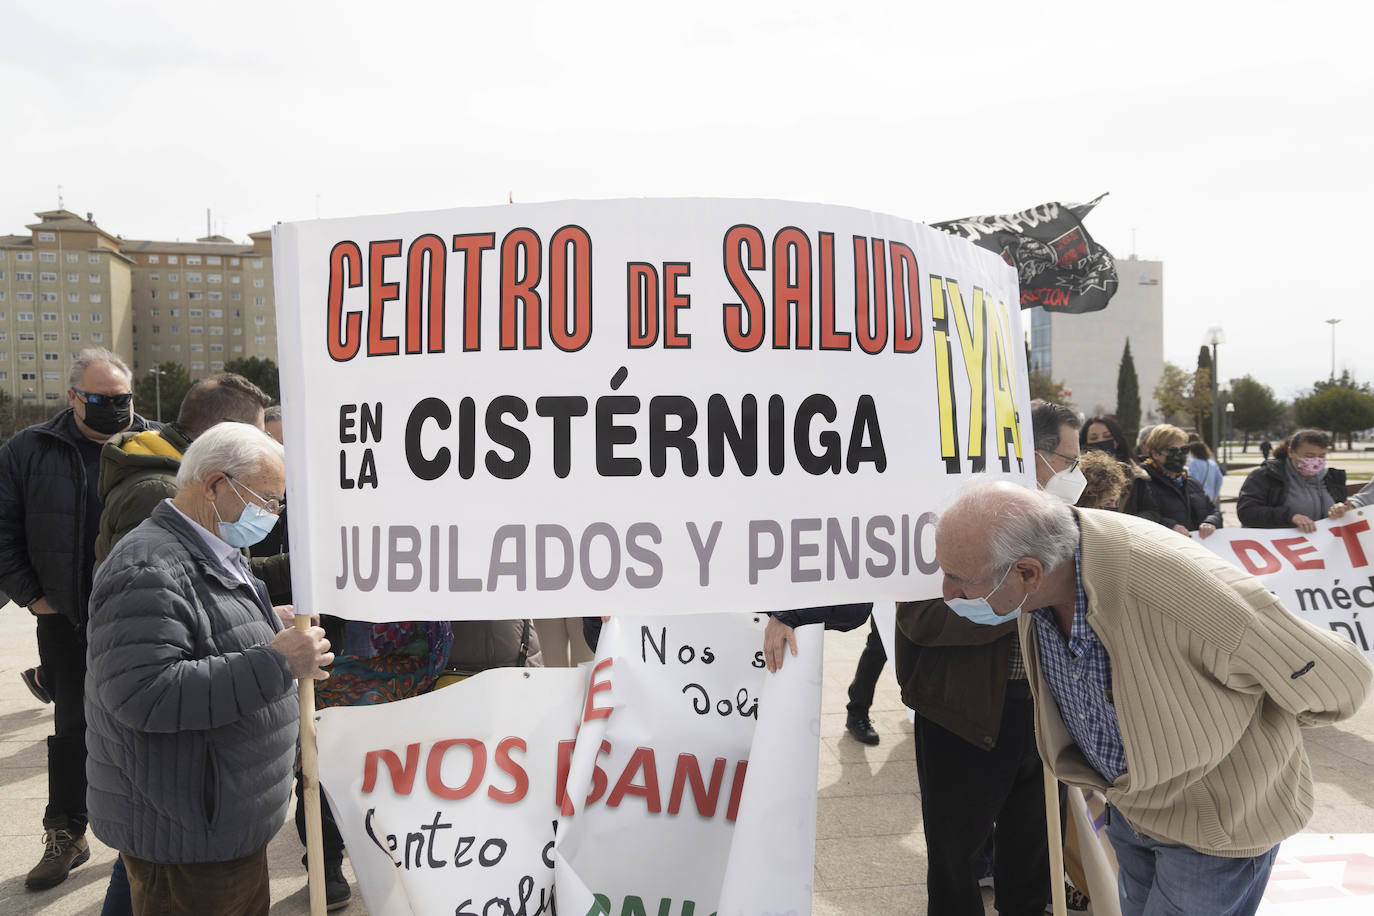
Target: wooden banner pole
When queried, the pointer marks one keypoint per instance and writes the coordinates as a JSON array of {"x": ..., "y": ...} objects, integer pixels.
[
  {"x": 1056, "y": 844},
  {"x": 310, "y": 785}
]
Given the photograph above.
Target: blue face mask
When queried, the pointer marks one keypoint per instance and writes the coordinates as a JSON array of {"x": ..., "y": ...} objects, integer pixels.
[
  {"x": 254, "y": 523},
  {"x": 979, "y": 611}
]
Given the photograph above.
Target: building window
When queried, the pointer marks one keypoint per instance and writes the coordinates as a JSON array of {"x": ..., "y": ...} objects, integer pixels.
[
  {"x": 157, "y": 348},
  {"x": 193, "y": 278},
  {"x": 193, "y": 259},
  {"x": 48, "y": 297},
  {"x": 237, "y": 297},
  {"x": 4, "y": 335},
  {"x": 27, "y": 357},
  {"x": 171, "y": 259},
  {"x": 153, "y": 259},
  {"x": 157, "y": 329},
  {"x": 4, "y": 375},
  {"x": 24, "y": 296},
  {"x": 197, "y": 365},
  {"x": 258, "y": 283},
  {"x": 216, "y": 348},
  {"x": 258, "y": 300},
  {"x": 98, "y": 337},
  {"x": 46, "y": 237},
  {"x": 197, "y": 348},
  {"x": 48, "y": 256},
  {"x": 235, "y": 278},
  {"x": 50, "y": 395},
  {"x": 50, "y": 357},
  {"x": 175, "y": 348},
  {"x": 23, "y": 316},
  {"x": 173, "y": 294},
  {"x": 194, "y": 313},
  {"x": 50, "y": 336},
  {"x": 76, "y": 337},
  {"x": 216, "y": 365},
  {"x": 73, "y": 297},
  {"x": 175, "y": 313},
  {"x": 93, "y": 258},
  {"x": 257, "y": 263},
  {"x": 49, "y": 316},
  {"x": 26, "y": 336},
  {"x": 216, "y": 330},
  {"x": 73, "y": 278},
  {"x": 93, "y": 278},
  {"x": 233, "y": 262},
  {"x": 154, "y": 312},
  {"x": 176, "y": 329},
  {"x": 51, "y": 376},
  {"x": 96, "y": 317},
  {"x": 213, "y": 259},
  {"x": 260, "y": 341},
  {"x": 73, "y": 257},
  {"x": 196, "y": 329},
  {"x": 216, "y": 313},
  {"x": 259, "y": 319},
  {"x": 23, "y": 255},
  {"x": 73, "y": 316},
  {"x": 214, "y": 278},
  {"x": 195, "y": 296},
  {"x": 173, "y": 277},
  {"x": 28, "y": 376},
  {"x": 238, "y": 332},
  {"x": 24, "y": 276},
  {"x": 47, "y": 276},
  {"x": 238, "y": 348},
  {"x": 155, "y": 276},
  {"x": 95, "y": 297}
]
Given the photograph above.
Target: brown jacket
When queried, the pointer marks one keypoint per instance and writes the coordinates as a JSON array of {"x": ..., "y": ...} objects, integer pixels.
[{"x": 953, "y": 672}]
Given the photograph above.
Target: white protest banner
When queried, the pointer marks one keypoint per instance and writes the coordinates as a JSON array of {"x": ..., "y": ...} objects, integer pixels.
[
  {"x": 450, "y": 801},
  {"x": 641, "y": 406},
  {"x": 678, "y": 778},
  {"x": 1326, "y": 577},
  {"x": 702, "y": 772}
]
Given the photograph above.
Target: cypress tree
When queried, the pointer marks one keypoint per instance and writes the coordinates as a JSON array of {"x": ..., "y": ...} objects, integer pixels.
[{"x": 1128, "y": 396}]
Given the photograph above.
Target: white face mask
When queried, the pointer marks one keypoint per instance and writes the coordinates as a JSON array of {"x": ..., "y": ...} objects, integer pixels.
[{"x": 1065, "y": 485}]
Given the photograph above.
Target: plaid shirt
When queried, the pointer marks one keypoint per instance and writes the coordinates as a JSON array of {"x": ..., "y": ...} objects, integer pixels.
[{"x": 1079, "y": 673}]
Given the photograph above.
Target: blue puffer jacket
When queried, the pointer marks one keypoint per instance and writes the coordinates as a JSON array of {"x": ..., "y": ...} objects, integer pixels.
[{"x": 191, "y": 719}]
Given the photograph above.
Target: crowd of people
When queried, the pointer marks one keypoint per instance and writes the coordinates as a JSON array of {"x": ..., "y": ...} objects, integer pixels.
[{"x": 1069, "y": 635}]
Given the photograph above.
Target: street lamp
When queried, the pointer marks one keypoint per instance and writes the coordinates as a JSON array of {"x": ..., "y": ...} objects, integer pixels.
[
  {"x": 1333, "y": 322},
  {"x": 1215, "y": 335},
  {"x": 157, "y": 388},
  {"x": 1230, "y": 428}
]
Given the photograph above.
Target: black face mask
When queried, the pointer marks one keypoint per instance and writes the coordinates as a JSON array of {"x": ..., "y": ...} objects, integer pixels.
[
  {"x": 1174, "y": 459},
  {"x": 1102, "y": 445},
  {"x": 107, "y": 419}
]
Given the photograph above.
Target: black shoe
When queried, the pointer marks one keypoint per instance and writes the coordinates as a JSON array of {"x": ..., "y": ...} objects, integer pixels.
[
  {"x": 33, "y": 679},
  {"x": 336, "y": 890},
  {"x": 862, "y": 729}
]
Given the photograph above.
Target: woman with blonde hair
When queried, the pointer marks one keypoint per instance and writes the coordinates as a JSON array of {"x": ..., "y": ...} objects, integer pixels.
[{"x": 1183, "y": 504}]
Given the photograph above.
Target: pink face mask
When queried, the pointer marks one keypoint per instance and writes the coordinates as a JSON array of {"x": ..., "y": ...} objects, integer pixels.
[{"x": 1311, "y": 467}]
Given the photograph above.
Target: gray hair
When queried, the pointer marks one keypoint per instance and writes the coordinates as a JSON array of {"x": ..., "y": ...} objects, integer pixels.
[
  {"x": 1020, "y": 523},
  {"x": 89, "y": 357},
  {"x": 236, "y": 449}
]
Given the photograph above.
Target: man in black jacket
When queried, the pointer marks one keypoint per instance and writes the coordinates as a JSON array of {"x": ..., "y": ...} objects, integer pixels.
[{"x": 49, "y": 517}]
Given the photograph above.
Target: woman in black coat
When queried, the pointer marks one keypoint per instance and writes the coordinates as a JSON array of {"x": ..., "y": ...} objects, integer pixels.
[
  {"x": 1183, "y": 504},
  {"x": 1294, "y": 487},
  {"x": 1105, "y": 434}
]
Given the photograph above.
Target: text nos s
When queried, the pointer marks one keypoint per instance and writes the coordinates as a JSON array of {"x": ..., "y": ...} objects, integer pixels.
[{"x": 980, "y": 330}]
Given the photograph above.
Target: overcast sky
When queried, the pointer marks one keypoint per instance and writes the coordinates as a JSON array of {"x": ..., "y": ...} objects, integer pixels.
[{"x": 1236, "y": 139}]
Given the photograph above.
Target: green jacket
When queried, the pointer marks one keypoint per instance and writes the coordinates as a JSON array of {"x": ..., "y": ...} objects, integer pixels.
[{"x": 138, "y": 470}]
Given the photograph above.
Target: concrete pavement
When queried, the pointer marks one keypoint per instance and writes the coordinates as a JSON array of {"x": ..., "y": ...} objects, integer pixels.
[{"x": 870, "y": 851}]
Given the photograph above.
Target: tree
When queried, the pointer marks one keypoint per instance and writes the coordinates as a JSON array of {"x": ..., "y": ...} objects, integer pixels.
[
  {"x": 1338, "y": 408},
  {"x": 1047, "y": 389},
  {"x": 1202, "y": 407},
  {"x": 1178, "y": 397},
  {"x": 1257, "y": 410},
  {"x": 160, "y": 399},
  {"x": 1128, "y": 395},
  {"x": 261, "y": 372}
]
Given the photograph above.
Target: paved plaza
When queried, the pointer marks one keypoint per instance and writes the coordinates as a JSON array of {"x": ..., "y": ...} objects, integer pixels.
[{"x": 870, "y": 852}]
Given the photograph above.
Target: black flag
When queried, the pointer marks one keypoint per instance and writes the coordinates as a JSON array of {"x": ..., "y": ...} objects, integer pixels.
[{"x": 1059, "y": 265}]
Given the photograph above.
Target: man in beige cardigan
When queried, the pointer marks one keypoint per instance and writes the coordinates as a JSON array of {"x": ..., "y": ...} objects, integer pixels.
[{"x": 1165, "y": 679}]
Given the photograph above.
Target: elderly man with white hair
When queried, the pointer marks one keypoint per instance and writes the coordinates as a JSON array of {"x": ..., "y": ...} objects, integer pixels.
[
  {"x": 1164, "y": 678},
  {"x": 192, "y": 721}
]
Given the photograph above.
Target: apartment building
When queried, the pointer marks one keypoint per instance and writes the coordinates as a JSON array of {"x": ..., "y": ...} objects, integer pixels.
[{"x": 70, "y": 284}]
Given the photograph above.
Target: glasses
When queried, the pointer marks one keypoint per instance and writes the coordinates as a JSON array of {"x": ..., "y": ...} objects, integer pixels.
[
  {"x": 118, "y": 400},
  {"x": 1071, "y": 459},
  {"x": 271, "y": 505}
]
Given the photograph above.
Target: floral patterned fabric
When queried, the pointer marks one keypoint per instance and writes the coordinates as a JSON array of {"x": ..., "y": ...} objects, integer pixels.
[{"x": 409, "y": 657}]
